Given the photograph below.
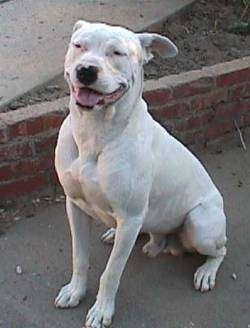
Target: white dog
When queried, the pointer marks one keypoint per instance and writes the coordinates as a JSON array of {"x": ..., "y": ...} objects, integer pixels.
[{"x": 118, "y": 165}]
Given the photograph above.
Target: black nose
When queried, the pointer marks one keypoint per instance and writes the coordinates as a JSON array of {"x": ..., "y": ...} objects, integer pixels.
[{"x": 86, "y": 75}]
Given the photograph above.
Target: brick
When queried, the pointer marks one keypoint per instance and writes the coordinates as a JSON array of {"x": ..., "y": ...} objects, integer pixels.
[
  {"x": 171, "y": 81},
  {"x": 158, "y": 97},
  {"x": 233, "y": 77},
  {"x": 46, "y": 163},
  {"x": 231, "y": 72},
  {"x": 218, "y": 129},
  {"x": 226, "y": 111},
  {"x": 191, "y": 137},
  {"x": 169, "y": 126},
  {"x": 46, "y": 143},
  {"x": 17, "y": 129},
  {"x": 244, "y": 105},
  {"x": 208, "y": 100},
  {"x": 29, "y": 127},
  {"x": 204, "y": 84},
  {"x": 54, "y": 177},
  {"x": 21, "y": 125},
  {"x": 23, "y": 168},
  {"x": 31, "y": 166},
  {"x": 53, "y": 121},
  {"x": 15, "y": 151},
  {"x": 200, "y": 81},
  {"x": 199, "y": 121},
  {"x": 23, "y": 186},
  {"x": 240, "y": 91},
  {"x": 34, "y": 126},
  {"x": 35, "y": 119},
  {"x": 231, "y": 110},
  {"x": 6, "y": 172},
  {"x": 174, "y": 126},
  {"x": 4, "y": 135},
  {"x": 246, "y": 119},
  {"x": 181, "y": 123},
  {"x": 171, "y": 111}
]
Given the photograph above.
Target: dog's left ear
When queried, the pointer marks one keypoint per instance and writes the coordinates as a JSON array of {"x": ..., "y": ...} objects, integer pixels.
[{"x": 154, "y": 43}]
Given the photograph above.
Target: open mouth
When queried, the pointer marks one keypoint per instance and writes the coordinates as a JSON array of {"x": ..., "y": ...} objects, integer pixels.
[{"x": 88, "y": 98}]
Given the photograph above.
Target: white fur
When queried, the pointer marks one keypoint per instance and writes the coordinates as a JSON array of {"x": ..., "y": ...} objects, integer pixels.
[{"x": 118, "y": 165}]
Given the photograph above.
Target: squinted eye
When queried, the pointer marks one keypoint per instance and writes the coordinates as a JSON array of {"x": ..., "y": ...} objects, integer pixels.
[
  {"x": 77, "y": 45},
  {"x": 119, "y": 53}
]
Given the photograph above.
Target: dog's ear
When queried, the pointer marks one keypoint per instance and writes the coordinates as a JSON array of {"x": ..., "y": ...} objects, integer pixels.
[
  {"x": 79, "y": 24},
  {"x": 154, "y": 43}
]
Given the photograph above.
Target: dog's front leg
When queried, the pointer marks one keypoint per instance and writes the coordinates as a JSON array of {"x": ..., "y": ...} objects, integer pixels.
[
  {"x": 102, "y": 311},
  {"x": 71, "y": 294}
]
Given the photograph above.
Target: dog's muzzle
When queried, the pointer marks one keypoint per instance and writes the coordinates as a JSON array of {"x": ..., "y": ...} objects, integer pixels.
[{"x": 88, "y": 98}]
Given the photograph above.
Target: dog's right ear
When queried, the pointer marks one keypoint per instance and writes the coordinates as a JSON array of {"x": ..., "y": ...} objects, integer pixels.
[
  {"x": 155, "y": 43},
  {"x": 79, "y": 24}
]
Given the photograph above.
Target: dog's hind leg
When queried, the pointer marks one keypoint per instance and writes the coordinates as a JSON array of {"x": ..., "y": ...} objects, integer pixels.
[
  {"x": 155, "y": 245},
  {"x": 205, "y": 227},
  {"x": 71, "y": 294}
]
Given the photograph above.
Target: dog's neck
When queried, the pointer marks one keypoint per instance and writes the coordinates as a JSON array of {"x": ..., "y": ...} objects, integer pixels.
[{"x": 93, "y": 130}]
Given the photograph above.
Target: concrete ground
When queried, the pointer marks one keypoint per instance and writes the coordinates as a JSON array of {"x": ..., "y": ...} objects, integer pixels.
[
  {"x": 34, "y": 34},
  {"x": 154, "y": 292}
]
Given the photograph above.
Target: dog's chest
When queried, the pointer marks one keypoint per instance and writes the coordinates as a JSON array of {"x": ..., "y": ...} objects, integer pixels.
[{"x": 84, "y": 188}]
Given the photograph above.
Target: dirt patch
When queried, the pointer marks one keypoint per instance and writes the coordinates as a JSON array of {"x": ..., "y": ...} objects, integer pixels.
[
  {"x": 203, "y": 38},
  {"x": 57, "y": 88},
  {"x": 201, "y": 35},
  {"x": 12, "y": 211}
]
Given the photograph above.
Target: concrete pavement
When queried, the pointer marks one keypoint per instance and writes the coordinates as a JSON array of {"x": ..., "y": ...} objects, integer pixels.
[
  {"x": 34, "y": 34},
  {"x": 154, "y": 292}
]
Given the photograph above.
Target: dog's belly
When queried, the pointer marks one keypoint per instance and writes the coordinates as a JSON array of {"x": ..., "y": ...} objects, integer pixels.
[{"x": 81, "y": 185}]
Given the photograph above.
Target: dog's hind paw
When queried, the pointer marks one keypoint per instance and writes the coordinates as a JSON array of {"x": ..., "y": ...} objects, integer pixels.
[
  {"x": 153, "y": 249},
  {"x": 70, "y": 295},
  {"x": 174, "y": 247},
  {"x": 109, "y": 236}
]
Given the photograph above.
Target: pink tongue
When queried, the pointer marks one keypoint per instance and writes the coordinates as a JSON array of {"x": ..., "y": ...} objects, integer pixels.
[{"x": 87, "y": 97}]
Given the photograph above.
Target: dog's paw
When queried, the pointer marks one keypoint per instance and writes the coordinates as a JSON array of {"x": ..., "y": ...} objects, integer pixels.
[
  {"x": 174, "y": 250},
  {"x": 70, "y": 295},
  {"x": 109, "y": 236},
  {"x": 174, "y": 247},
  {"x": 100, "y": 315},
  {"x": 204, "y": 277},
  {"x": 152, "y": 249}
]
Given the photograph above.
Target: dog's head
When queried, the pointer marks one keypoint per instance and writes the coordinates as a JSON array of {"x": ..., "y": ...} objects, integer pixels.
[{"x": 104, "y": 63}]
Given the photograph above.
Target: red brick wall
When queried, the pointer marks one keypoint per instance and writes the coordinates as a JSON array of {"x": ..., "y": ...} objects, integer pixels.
[
  {"x": 200, "y": 106},
  {"x": 27, "y": 142},
  {"x": 197, "y": 107}
]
